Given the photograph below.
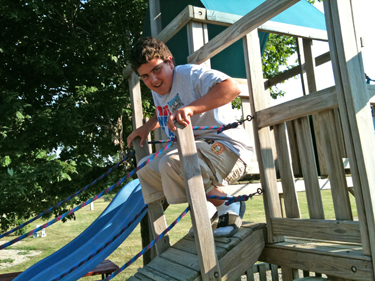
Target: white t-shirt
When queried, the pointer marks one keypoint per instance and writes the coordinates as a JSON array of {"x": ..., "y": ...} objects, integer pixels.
[{"x": 190, "y": 82}]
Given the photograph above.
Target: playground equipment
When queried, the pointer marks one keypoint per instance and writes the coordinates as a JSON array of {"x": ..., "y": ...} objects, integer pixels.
[
  {"x": 119, "y": 213},
  {"x": 342, "y": 248}
]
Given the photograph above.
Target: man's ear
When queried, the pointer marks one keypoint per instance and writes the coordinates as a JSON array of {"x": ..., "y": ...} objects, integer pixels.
[{"x": 170, "y": 62}]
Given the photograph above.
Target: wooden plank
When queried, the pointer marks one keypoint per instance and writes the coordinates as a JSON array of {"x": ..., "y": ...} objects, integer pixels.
[
  {"x": 294, "y": 154},
  {"x": 269, "y": 26},
  {"x": 288, "y": 273},
  {"x": 250, "y": 274},
  {"x": 293, "y": 30},
  {"x": 238, "y": 260},
  {"x": 299, "y": 107},
  {"x": 292, "y": 209},
  {"x": 197, "y": 37},
  {"x": 181, "y": 257},
  {"x": 334, "y": 230},
  {"x": 274, "y": 272},
  {"x": 156, "y": 275},
  {"x": 246, "y": 24},
  {"x": 308, "y": 78},
  {"x": 197, "y": 200},
  {"x": 173, "y": 270},
  {"x": 339, "y": 133},
  {"x": 296, "y": 70},
  {"x": 189, "y": 246},
  {"x": 263, "y": 271},
  {"x": 309, "y": 170},
  {"x": 142, "y": 277},
  {"x": 355, "y": 116},
  {"x": 339, "y": 265},
  {"x": 262, "y": 137},
  {"x": 336, "y": 171},
  {"x": 155, "y": 17}
]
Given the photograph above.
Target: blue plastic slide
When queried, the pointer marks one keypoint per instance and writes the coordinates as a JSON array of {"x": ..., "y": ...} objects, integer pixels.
[{"x": 122, "y": 210}]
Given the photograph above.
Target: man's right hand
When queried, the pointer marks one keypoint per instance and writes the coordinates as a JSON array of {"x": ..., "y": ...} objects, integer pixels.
[{"x": 141, "y": 132}]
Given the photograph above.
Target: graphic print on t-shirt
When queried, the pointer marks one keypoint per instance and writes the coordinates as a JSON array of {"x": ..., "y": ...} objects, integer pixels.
[
  {"x": 163, "y": 114},
  {"x": 175, "y": 103}
]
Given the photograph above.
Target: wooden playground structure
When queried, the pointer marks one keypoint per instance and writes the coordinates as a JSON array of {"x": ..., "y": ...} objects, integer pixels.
[{"x": 342, "y": 248}]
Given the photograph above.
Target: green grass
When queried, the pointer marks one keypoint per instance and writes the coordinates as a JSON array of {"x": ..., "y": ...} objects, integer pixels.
[
  {"x": 7, "y": 260},
  {"x": 59, "y": 234}
]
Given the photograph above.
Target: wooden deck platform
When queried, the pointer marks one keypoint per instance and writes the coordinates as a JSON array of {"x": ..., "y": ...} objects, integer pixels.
[
  {"x": 341, "y": 260},
  {"x": 180, "y": 262}
]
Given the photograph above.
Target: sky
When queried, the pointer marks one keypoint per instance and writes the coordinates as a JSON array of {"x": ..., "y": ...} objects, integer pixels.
[{"x": 324, "y": 76}]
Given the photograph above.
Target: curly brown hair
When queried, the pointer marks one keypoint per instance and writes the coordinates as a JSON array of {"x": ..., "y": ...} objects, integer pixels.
[{"x": 147, "y": 49}]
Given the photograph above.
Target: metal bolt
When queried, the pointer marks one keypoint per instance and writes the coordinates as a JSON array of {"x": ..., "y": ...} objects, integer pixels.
[
  {"x": 354, "y": 269},
  {"x": 200, "y": 13},
  {"x": 216, "y": 274}
]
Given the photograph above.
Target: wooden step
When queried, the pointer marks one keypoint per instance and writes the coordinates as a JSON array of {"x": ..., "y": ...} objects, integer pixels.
[{"x": 180, "y": 262}]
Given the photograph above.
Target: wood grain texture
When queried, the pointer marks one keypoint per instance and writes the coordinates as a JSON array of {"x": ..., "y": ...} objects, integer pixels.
[
  {"x": 355, "y": 117},
  {"x": 334, "y": 230},
  {"x": 309, "y": 169},
  {"x": 197, "y": 200},
  {"x": 291, "y": 204},
  {"x": 336, "y": 171},
  {"x": 299, "y": 107},
  {"x": 315, "y": 259},
  {"x": 262, "y": 136},
  {"x": 238, "y": 30}
]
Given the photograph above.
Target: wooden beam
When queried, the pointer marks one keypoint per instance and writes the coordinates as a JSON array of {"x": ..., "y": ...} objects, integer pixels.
[
  {"x": 354, "y": 112},
  {"x": 300, "y": 107},
  {"x": 331, "y": 261},
  {"x": 294, "y": 30},
  {"x": 332, "y": 230},
  {"x": 155, "y": 16},
  {"x": 246, "y": 24},
  {"x": 319, "y": 60},
  {"x": 201, "y": 15},
  {"x": 196, "y": 196},
  {"x": 262, "y": 136}
]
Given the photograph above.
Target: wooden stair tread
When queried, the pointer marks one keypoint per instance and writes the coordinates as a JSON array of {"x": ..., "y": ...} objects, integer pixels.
[{"x": 180, "y": 262}]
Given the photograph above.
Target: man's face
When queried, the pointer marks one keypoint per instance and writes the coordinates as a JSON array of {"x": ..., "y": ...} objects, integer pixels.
[{"x": 157, "y": 75}]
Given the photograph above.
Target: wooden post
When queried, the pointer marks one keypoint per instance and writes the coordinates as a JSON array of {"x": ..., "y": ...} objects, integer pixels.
[
  {"x": 156, "y": 28},
  {"x": 137, "y": 120},
  {"x": 196, "y": 197},
  {"x": 262, "y": 136},
  {"x": 354, "y": 112}
]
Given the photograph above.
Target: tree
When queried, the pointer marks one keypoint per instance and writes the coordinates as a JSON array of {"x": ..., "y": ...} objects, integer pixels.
[
  {"x": 279, "y": 49},
  {"x": 63, "y": 101}
]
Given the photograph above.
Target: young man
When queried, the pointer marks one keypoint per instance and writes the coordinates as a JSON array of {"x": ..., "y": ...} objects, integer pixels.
[{"x": 202, "y": 97}]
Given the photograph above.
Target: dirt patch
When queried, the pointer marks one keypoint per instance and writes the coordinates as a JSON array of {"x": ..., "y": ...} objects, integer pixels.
[{"x": 18, "y": 256}]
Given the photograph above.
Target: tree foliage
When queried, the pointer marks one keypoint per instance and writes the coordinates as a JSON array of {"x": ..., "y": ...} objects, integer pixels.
[{"x": 63, "y": 102}]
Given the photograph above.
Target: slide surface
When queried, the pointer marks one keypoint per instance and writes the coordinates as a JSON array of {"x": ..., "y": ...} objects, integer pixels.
[{"x": 122, "y": 210}]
